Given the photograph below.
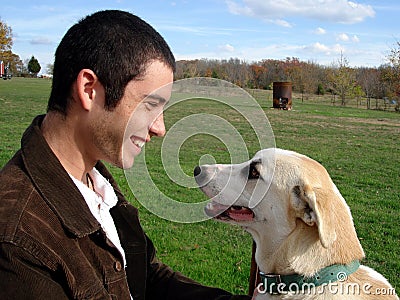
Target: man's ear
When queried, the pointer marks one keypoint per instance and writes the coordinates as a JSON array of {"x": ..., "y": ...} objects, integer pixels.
[
  {"x": 315, "y": 210},
  {"x": 87, "y": 85}
]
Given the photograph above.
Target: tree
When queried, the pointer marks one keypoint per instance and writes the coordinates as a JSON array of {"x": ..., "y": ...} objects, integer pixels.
[
  {"x": 358, "y": 93},
  {"x": 13, "y": 61},
  {"x": 303, "y": 75},
  {"x": 342, "y": 79},
  {"x": 393, "y": 73},
  {"x": 320, "y": 89},
  {"x": 394, "y": 58},
  {"x": 6, "y": 41},
  {"x": 6, "y": 55},
  {"x": 368, "y": 79},
  {"x": 50, "y": 69},
  {"x": 34, "y": 66},
  {"x": 257, "y": 73},
  {"x": 214, "y": 74},
  {"x": 236, "y": 71}
]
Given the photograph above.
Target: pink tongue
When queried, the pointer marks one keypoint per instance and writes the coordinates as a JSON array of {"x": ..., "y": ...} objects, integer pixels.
[{"x": 242, "y": 214}]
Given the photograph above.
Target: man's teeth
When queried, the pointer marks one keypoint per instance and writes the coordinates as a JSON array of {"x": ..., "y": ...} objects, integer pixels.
[{"x": 140, "y": 144}]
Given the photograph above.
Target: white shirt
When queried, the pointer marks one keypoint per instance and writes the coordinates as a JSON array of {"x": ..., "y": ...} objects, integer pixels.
[{"x": 99, "y": 202}]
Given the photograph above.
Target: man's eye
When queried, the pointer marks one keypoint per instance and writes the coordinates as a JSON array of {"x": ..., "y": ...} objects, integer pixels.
[{"x": 152, "y": 104}]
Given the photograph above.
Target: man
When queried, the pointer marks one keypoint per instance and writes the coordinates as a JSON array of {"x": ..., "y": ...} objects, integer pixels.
[{"x": 66, "y": 231}]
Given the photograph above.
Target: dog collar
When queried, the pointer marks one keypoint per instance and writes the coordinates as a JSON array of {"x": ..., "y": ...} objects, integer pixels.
[{"x": 279, "y": 284}]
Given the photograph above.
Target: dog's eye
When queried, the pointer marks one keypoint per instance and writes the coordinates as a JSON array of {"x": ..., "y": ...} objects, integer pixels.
[{"x": 253, "y": 172}]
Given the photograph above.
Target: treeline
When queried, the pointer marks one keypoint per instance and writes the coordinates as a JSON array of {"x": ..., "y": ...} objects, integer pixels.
[
  {"x": 339, "y": 79},
  {"x": 18, "y": 68}
]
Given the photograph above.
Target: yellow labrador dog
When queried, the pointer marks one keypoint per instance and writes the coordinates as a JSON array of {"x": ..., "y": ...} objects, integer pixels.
[{"x": 307, "y": 247}]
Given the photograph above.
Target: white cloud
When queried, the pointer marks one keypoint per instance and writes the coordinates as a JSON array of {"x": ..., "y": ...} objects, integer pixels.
[
  {"x": 197, "y": 30},
  {"x": 319, "y": 48},
  {"x": 342, "y": 37},
  {"x": 226, "y": 48},
  {"x": 44, "y": 8},
  {"x": 282, "y": 23},
  {"x": 338, "y": 11},
  {"x": 40, "y": 41},
  {"x": 236, "y": 9},
  {"x": 318, "y": 52},
  {"x": 337, "y": 49},
  {"x": 320, "y": 31},
  {"x": 316, "y": 48}
]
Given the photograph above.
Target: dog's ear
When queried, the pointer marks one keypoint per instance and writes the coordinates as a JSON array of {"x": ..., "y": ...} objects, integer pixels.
[{"x": 315, "y": 210}]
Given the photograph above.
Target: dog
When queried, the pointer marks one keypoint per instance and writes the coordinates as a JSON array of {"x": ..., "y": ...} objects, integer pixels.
[{"x": 307, "y": 246}]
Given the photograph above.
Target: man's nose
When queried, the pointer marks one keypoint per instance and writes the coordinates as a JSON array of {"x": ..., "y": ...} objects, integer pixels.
[{"x": 157, "y": 128}]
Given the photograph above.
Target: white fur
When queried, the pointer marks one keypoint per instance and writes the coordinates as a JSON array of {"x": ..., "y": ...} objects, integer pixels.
[{"x": 301, "y": 221}]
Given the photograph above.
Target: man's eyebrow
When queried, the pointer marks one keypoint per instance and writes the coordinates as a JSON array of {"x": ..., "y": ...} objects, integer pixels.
[{"x": 157, "y": 97}]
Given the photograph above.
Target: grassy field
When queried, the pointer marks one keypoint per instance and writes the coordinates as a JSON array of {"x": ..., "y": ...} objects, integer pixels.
[{"x": 360, "y": 149}]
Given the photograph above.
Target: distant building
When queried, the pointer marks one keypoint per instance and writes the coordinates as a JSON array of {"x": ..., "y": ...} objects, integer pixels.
[{"x": 4, "y": 71}]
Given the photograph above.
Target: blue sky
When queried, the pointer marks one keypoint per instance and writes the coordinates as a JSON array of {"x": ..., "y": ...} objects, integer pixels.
[{"x": 311, "y": 30}]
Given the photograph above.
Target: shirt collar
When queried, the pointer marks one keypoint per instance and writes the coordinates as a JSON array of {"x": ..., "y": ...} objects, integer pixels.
[
  {"x": 103, "y": 188},
  {"x": 102, "y": 192}
]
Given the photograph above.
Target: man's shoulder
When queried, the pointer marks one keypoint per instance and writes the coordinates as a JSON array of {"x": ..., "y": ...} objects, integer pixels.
[
  {"x": 16, "y": 192},
  {"x": 14, "y": 182}
]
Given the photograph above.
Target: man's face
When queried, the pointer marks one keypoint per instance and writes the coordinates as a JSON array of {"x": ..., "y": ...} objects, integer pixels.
[{"x": 119, "y": 135}]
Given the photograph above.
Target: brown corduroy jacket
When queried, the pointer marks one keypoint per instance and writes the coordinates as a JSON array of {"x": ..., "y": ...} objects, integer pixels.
[{"x": 51, "y": 246}]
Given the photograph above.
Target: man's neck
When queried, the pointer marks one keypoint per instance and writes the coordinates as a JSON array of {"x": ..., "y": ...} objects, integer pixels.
[{"x": 65, "y": 140}]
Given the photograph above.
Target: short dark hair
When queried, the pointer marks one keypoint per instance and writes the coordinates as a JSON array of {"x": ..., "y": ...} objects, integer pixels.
[{"x": 114, "y": 44}]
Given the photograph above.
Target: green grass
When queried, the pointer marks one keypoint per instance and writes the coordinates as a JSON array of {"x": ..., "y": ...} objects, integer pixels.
[
  {"x": 20, "y": 100},
  {"x": 360, "y": 149}
]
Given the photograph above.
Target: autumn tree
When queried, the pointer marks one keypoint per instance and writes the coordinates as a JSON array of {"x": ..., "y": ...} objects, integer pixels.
[
  {"x": 394, "y": 60},
  {"x": 257, "y": 74},
  {"x": 15, "y": 63},
  {"x": 236, "y": 71},
  {"x": 303, "y": 75},
  {"x": 186, "y": 69},
  {"x": 342, "y": 79},
  {"x": 6, "y": 41},
  {"x": 368, "y": 79},
  {"x": 393, "y": 73},
  {"x": 292, "y": 68},
  {"x": 307, "y": 77}
]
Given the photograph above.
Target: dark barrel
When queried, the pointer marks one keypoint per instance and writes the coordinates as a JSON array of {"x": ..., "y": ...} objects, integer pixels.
[{"x": 282, "y": 95}]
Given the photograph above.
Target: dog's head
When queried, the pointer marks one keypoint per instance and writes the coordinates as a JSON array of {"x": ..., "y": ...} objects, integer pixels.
[{"x": 271, "y": 192}]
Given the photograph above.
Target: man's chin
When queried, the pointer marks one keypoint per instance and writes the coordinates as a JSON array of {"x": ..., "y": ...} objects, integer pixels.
[
  {"x": 126, "y": 163},
  {"x": 127, "y": 157},
  {"x": 122, "y": 162}
]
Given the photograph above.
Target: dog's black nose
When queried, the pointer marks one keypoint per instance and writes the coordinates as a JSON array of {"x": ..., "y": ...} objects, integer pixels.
[{"x": 197, "y": 171}]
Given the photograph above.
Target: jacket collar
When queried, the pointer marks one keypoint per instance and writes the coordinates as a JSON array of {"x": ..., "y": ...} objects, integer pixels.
[{"x": 54, "y": 184}]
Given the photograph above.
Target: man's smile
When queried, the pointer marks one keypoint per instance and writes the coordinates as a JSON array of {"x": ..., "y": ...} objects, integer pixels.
[{"x": 139, "y": 142}]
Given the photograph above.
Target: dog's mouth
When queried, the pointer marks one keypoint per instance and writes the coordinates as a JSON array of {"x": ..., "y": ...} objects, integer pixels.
[{"x": 227, "y": 213}]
